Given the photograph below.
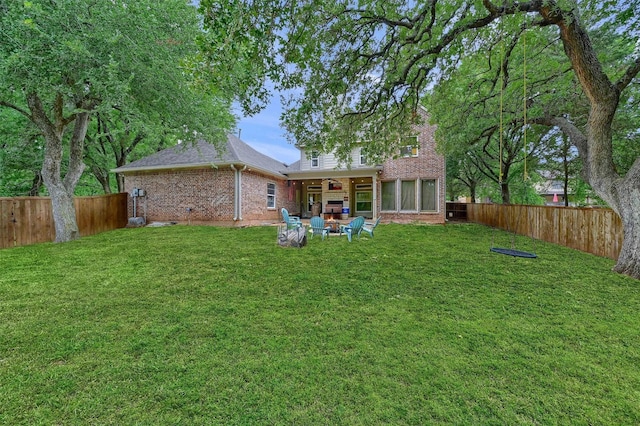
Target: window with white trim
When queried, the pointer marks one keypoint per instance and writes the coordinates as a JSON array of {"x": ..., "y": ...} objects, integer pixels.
[
  {"x": 271, "y": 195},
  {"x": 363, "y": 158},
  {"x": 315, "y": 159},
  {"x": 428, "y": 195}
]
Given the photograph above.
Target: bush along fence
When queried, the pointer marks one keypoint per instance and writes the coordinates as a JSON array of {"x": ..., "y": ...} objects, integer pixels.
[
  {"x": 593, "y": 230},
  {"x": 29, "y": 220}
]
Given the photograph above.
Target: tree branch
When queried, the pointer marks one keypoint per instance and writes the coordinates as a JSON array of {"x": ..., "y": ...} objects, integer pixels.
[
  {"x": 17, "y": 108},
  {"x": 579, "y": 50},
  {"x": 76, "y": 151},
  {"x": 629, "y": 75},
  {"x": 567, "y": 127}
]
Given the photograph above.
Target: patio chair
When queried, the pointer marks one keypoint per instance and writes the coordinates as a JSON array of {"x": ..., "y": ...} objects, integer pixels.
[
  {"x": 353, "y": 228},
  {"x": 293, "y": 222},
  {"x": 318, "y": 228},
  {"x": 368, "y": 227}
]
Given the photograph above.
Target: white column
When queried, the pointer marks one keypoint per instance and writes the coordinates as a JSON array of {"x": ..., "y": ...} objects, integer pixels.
[{"x": 374, "y": 189}]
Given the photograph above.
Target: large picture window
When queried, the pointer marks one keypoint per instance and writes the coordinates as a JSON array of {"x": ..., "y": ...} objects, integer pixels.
[
  {"x": 271, "y": 195},
  {"x": 428, "y": 195},
  {"x": 389, "y": 196},
  {"x": 408, "y": 195}
]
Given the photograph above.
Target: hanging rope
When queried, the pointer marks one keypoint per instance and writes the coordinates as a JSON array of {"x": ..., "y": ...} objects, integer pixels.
[
  {"x": 512, "y": 251},
  {"x": 524, "y": 95},
  {"x": 500, "y": 80}
]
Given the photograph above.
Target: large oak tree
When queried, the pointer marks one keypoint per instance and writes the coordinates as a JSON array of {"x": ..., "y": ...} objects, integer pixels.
[
  {"x": 366, "y": 66},
  {"x": 62, "y": 62}
]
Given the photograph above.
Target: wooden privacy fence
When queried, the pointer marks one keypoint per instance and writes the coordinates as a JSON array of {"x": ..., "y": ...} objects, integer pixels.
[
  {"x": 597, "y": 231},
  {"x": 29, "y": 220}
]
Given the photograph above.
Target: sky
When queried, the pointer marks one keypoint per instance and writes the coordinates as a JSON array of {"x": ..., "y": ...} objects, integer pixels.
[{"x": 263, "y": 133}]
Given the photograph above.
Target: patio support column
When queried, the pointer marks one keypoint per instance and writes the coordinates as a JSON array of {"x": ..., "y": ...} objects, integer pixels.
[{"x": 374, "y": 190}]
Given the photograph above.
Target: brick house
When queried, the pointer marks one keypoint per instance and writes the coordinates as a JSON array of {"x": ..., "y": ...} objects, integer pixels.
[{"x": 241, "y": 186}]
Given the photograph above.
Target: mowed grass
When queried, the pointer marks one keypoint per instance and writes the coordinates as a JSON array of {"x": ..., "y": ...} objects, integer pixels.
[{"x": 419, "y": 325}]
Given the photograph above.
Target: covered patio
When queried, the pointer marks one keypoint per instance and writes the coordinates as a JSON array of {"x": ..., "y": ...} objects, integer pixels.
[{"x": 338, "y": 197}]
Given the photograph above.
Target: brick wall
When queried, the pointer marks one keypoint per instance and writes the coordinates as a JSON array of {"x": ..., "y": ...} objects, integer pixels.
[
  {"x": 254, "y": 197},
  {"x": 208, "y": 193},
  {"x": 428, "y": 165}
]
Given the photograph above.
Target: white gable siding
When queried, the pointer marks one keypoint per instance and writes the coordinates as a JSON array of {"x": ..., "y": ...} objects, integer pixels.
[
  {"x": 355, "y": 158},
  {"x": 326, "y": 162},
  {"x": 330, "y": 162},
  {"x": 305, "y": 162}
]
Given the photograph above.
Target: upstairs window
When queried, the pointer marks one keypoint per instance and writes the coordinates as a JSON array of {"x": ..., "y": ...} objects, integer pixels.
[
  {"x": 315, "y": 159},
  {"x": 363, "y": 158},
  {"x": 409, "y": 147}
]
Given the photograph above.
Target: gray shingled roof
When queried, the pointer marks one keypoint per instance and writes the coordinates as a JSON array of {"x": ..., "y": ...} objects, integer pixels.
[{"x": 203, "y": 154}]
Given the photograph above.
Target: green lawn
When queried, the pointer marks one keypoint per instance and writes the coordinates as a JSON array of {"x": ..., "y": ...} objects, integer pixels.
[{"x": 420, "y": 325}]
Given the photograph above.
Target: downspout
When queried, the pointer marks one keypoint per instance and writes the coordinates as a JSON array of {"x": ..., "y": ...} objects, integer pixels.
[{"x": 237, "y": 192}]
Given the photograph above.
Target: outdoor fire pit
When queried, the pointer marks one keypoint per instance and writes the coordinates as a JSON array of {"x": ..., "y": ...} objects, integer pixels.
[
  {"x": 332, "y": 210},
  {"x": 333, "y": 225}
]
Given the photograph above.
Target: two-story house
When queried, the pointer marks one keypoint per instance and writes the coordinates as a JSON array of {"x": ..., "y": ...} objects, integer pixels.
[
  {"x": 241, "y": 186},
  {"x": 408, "y": 187}
]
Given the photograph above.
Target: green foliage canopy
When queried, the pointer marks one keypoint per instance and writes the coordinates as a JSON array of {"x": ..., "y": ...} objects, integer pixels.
[
  {"x": 365, "y": 67},
  {"x": 131, "y": 56},
  {"x": 61, "y": 62}
]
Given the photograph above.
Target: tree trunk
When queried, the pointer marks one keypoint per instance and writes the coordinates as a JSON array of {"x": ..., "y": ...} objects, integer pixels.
[
  {"x": 102, "y": 176},
  {"x": 506, "y": 195},
  {"x": 629, "y": 259},
  {"x": 36, "y": 184},
  {"x": 121, "y": 160},
  {"x": 64, "y": 213},
  {"x": 565, "y": 171},
  {"x": 626, "y": 191},
  {"x": 596, "y": 150},
  {"x": 473, "y": 193},
  {"x": 60, "y": 189},
  {"x": 120, "y": 180}
]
